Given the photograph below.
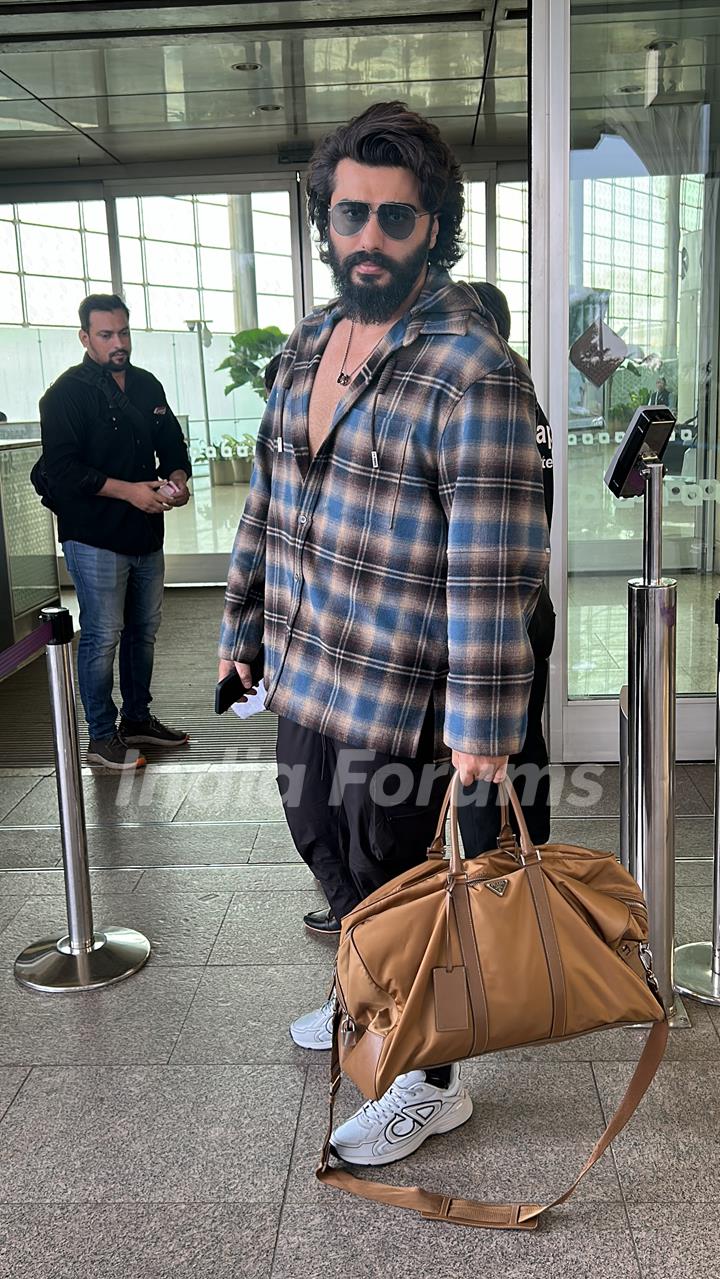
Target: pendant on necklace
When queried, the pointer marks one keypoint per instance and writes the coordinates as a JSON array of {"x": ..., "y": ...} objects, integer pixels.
[{"x": 343, "y": 379}]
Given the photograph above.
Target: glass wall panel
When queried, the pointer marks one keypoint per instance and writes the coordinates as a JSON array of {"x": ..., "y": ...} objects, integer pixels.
[
  {"x": 644, "y": 310},
  {"x": 198, "y": 270},
  {"x": 51, "y": 256}
]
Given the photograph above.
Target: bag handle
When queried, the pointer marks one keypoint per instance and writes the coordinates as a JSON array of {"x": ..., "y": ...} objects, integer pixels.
[
  {"x": 474, "y": 1212},
  {"x": 508, "y": 796}
]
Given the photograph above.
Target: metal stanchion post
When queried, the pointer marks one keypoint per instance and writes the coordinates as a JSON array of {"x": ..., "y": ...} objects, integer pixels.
[
  {"x": 84, "y": 958},
  {"x": 697, "y": 966},
  {"x": 627, "y": 856},
  {"x": 651, "y": 730}
]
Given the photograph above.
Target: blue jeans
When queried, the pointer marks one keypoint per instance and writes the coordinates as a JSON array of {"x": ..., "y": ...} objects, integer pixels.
[{"x": 120, "y": 599}]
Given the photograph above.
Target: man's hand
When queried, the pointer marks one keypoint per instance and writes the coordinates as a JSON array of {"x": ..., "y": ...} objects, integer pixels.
[
  {"x": 243, "y": 670},
  {"x": 144, "y": 495},
  {"x": 179, "y": 479},
  {"x": 484, "y": 768}
]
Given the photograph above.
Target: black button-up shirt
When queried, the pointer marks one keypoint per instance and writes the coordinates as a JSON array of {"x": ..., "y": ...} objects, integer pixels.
[{"x": 87, "y": 440}]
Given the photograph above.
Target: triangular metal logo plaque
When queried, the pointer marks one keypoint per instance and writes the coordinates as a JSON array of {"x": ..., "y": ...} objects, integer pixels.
[{"x": 497, "y": 886}]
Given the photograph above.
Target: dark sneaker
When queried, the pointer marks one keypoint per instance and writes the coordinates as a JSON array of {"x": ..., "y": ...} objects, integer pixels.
[
  {"x": 322, "y": 921},
  {"x": 150, "y": 732},
  {"x": 113, "y": 752}
]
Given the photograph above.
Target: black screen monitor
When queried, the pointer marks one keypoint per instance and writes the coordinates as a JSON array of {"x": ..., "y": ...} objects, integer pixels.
[{"x": 647, "y": 434}]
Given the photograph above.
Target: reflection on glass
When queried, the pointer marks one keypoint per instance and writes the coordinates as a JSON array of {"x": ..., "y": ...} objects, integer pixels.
[{"x": 644, "y": 232}]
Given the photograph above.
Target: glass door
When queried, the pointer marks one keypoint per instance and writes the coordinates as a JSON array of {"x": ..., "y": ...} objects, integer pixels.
[{"x": 635, "y": 253}]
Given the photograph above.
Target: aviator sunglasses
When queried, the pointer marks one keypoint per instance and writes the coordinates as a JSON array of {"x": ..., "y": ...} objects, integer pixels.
[{"x": 395, "y": 220}]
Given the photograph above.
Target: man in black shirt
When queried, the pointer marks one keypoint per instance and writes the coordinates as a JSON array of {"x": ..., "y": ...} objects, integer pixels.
[{"x": 108, "y": 435}]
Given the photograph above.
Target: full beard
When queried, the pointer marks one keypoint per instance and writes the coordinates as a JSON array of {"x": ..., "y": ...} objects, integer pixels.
[{"x": 373, "y": 303}]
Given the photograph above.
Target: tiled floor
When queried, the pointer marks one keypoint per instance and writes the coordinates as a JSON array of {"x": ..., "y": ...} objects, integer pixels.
[{"x": 168, "y": 1126}]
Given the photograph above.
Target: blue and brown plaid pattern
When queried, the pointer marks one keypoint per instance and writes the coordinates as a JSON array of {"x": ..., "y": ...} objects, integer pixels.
[{"x": 403, "y": 562}]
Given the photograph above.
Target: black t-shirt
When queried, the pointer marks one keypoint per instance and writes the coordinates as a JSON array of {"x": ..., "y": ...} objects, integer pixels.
[{"x": 88, "y": 438}]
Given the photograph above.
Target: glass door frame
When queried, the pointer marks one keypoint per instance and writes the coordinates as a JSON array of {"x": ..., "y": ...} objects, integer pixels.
[{"x": 579, "y": 729}]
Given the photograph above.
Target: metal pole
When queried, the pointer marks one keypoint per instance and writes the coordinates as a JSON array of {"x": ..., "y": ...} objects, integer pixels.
[
  {"x": 84, "y": 958},
  {"x": 652, "y": 605},
  {"x": 203, "y": 380},
  {"x": 627, "y": 853},
  {"x": 697, "y": 966}
]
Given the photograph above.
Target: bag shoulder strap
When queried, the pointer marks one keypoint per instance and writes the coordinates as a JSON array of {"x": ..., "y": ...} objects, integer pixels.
[
  {"x": 110, "y": 391},
  {"x": 474, "y": 1212}
]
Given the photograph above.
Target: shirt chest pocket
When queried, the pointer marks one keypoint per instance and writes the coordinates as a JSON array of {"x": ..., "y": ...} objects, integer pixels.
[{"x": 399, "y": 471}]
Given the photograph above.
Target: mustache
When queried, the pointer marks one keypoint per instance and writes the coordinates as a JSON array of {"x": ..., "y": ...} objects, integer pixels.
[{"x": 362, "y": 258}]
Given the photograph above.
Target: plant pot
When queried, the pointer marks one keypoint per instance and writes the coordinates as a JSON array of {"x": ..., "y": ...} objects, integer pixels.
[
  {"x": 221, "y": 470},
  {"x": 242, "y": 469}
]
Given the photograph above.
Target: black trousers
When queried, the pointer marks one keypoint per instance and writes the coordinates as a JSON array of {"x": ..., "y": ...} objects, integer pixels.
[
  {"x": 529, "y": 768},
  {"x": 357, "y": 817}
]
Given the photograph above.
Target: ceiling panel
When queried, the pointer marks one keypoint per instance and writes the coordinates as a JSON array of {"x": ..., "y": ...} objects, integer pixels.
[
  {"x": 26, "y": 116},
  {"x": 49, "y": 150}
]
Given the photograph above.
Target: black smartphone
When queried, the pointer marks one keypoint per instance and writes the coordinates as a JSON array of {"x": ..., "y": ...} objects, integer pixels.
[{"x": 229, "y": 690}]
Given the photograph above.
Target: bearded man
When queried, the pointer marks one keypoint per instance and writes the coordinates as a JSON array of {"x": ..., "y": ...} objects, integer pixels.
[{"x": 390, "y": 552}]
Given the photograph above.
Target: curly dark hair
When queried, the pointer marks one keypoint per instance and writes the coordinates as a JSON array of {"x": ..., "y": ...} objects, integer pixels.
[{"x": 390, "y": 134}]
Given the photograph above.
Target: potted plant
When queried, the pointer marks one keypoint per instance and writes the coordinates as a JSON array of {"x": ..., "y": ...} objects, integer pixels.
[
  {"x": 243, "y": 453},
  {"x": 250, "y": 351},
  {"x": 220, "y": 463}
]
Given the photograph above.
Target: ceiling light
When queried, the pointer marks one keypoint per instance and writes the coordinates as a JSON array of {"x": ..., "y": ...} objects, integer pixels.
[
  {"x": 270, "y": 106},
  {"x": 659, "y": 46},
  {"x": 629, "y": 89},
  {"x": 246, "y": 66}
]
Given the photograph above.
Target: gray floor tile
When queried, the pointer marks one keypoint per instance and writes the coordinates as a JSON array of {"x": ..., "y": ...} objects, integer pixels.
[
  {"x": 171, "y": 845},
  {"x": 231, "y": 879},
  {"x": 10, "y": 1083},
  {"x": 102, "y": 1241},
  {"x": 150, "y": 1135},
  {"x": 144, "y": 796},
  {"x": 29, "y": 848},
  {"x": 575, "y": 1241},
  {"x": 677, "y": 1241},
  {"x": 241, "y": 1015},
  {"x": 586, "y": 790},
  {"x": 693, "y": 873},
  {"x": 528, "y": 1137},
  {"x": 668, "y": 1152},
  {"x": 694, "y": 837},
  {"x": 693, "y": 914},
  {"x": 182, "y": 928},
  {"x": 600, "y": 832},
  {"x": 264, "y": 928},
  {"x": 50, "y": 883},
  {"x": 24, "y": 772},
  {"x": 698, "y": 1043},
  {"x": 274, "y": 844},
  {"x": 135, "y": 1021},
  {"x": 13, "y": 790},
  {"x": 247, "y": 795},
  {"x": 703, "y": 777},
  {"x": 9, "y": 908}
]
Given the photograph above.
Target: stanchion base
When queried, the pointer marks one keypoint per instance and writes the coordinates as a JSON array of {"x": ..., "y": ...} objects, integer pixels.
[
  {"x": 693, "y": 972},
  {"x": 50, "y": 964}
]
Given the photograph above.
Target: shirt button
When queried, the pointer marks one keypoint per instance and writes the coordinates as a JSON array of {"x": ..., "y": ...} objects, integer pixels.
[
  {"x": 297, "y": 577},
  {"x": 302, "y": 519}
]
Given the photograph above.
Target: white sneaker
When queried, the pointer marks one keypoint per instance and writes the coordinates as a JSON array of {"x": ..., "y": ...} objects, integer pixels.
[
  {"x": 411, "y": 1110},
  {"x": 314, "y": 1030}
]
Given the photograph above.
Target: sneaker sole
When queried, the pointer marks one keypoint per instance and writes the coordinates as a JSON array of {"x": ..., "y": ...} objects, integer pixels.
[
  {"x": 97, "y": 761},
  {"x": 154, "y": 741},
  {"x": 305, "y": 1043},
  {"x": 457, "y": 1115}
]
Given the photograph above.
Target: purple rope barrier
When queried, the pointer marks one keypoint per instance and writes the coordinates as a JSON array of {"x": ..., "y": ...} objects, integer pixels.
[{"x": 14, "y": 657}]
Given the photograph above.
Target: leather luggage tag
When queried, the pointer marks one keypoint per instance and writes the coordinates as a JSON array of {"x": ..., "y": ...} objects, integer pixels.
[{"x": 451, "y": 998}]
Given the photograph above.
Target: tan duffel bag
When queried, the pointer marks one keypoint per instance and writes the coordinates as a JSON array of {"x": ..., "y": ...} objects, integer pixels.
[{"x": 519, "y": 946}]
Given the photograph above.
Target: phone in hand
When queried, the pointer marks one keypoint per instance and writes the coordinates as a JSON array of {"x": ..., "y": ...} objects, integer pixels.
[
  {"x": 168, "y": 489},
  {"x": 229, "y": 690}
]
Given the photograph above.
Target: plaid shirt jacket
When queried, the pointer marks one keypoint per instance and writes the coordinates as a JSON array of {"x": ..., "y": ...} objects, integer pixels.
[{"x": 403, "y": 561}]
